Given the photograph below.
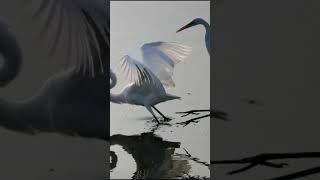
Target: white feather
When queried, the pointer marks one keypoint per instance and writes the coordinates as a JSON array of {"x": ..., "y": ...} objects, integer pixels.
[
  {"x": 137, "y": 73},
  {"x": 161, "y": 57}
]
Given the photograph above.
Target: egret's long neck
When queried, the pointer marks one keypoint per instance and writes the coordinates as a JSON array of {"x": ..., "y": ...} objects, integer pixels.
[
  {"x": 205, "y": 24},
  {"x": 115, "y": 98},
  {"x": 207, "y": 28},
  {"x": 207, "y": 36}
]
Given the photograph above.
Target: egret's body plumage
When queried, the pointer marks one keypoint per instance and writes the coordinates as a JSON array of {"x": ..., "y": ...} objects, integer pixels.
[
  {"x": 200, "y": 21},
  {"x": 149, "y": 78}
]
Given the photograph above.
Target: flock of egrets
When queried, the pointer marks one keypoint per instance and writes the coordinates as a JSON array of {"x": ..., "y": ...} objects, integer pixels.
[{"x": 149, "y": 78}]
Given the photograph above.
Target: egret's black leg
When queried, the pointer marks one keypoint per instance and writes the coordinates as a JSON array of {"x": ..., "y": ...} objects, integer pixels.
[
  {"x": 164, "y": 117},
  {"x": 154, "y": 116}
]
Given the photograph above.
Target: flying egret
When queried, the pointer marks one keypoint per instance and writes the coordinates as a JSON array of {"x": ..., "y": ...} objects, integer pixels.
[
  {"x": 149, "y": 78},
  {"x": 200, "y": 21}
]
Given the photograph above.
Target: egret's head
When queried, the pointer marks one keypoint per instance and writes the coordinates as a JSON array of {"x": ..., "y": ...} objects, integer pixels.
[{"x": 192, "y": 23}]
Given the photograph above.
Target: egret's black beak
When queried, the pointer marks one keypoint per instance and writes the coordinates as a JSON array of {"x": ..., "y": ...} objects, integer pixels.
[{"x": 186, "y": 26}]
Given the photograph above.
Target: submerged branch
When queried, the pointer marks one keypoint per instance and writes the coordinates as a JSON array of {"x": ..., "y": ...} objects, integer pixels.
[
  {"x": 193, "y": 120},
  {"x": 219, "y": 115},
  {"x": 194, "y": 112},
  {"x": 264, "y": 160},
  {"x": 189, "y": 157},
  {"x": 188, "y": 176},
  {"x": 212, "y": 114}
]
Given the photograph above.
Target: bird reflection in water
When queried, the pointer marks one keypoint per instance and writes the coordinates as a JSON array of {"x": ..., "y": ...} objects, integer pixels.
[{"x": 153, "y": 156}]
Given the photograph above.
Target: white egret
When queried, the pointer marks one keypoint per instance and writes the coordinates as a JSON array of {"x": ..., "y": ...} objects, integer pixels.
[
  {"x": 200, "y": 21},
  {"x": 149, "y": 78},
  {"x": 70, "y": 101}
]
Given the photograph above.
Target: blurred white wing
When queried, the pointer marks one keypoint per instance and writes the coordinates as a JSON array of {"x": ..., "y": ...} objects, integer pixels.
[
  {"x": 138, "y": 73},
  {"x": 161, "y": 57},
  {"x": 77, "y": 28}
]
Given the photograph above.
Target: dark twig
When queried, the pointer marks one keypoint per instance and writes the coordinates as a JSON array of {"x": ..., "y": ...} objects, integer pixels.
[
  {"x": 219, "y": 115},
  {"x": 304, "y": 173},
  {"x": 188, "y": 176},
  {"x": 188, "y": 156},
  {"x": 264, "y": 160},
  {"x": 193, "y": 120},
  {"x": 213, "y": 113},
  {"x": 251, "y": 165},
  {"x": 193, "y": 112},
  {"x": 193, "y": 177}
]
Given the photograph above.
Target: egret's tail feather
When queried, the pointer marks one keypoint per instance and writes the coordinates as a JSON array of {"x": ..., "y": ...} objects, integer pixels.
[{"x": 172, "y": 97}]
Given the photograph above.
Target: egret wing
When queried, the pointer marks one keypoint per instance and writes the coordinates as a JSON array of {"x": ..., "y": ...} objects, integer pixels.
[
  {"x": 161, "y": 57},
  {"x": 138, "y": 73},
  {"x": 78, "y": 29}
]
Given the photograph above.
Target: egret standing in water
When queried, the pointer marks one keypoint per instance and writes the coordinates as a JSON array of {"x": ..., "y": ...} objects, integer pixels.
[
  {"x": 149, "y": 78},
  {"x": 199, "y": 21}
]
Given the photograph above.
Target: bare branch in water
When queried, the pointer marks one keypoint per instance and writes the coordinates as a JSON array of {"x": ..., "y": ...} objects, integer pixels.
[
  {"x": 219, "y": 115},
  {"x": 188, "y": 176},
  {"x": 212, "y": 114},
  {"x": 188, "y": 156},
  {"x": 264, "y": 160},
  {"x": 303, "y": 173},
  {"x": 193, "y": 120},
  {"x": 194, "y": 112}
]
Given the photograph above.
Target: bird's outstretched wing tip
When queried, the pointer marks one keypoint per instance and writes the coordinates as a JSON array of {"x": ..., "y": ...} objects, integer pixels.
[
  {"x": 124, "y": 57},
  {"x": 124, "y": 60}
]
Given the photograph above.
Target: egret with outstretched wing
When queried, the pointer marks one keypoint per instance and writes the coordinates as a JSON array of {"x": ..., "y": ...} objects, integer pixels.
[
  {"x": 149, "y": 78},
  {"x": 78, "y": 32}
]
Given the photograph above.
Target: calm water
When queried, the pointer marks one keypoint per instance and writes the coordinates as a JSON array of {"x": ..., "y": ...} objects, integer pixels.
[
  {"x": 268, "y": 51},
  {"x": 44, "y": 156},
  {"x": 161, "y": 153}
]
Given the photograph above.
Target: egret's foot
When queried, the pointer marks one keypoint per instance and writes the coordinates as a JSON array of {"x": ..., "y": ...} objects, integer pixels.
[
  {"x": 156, "y": 120},
  {"x": 163, "y": 123},
  {"x": 166, "y": 119}
]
